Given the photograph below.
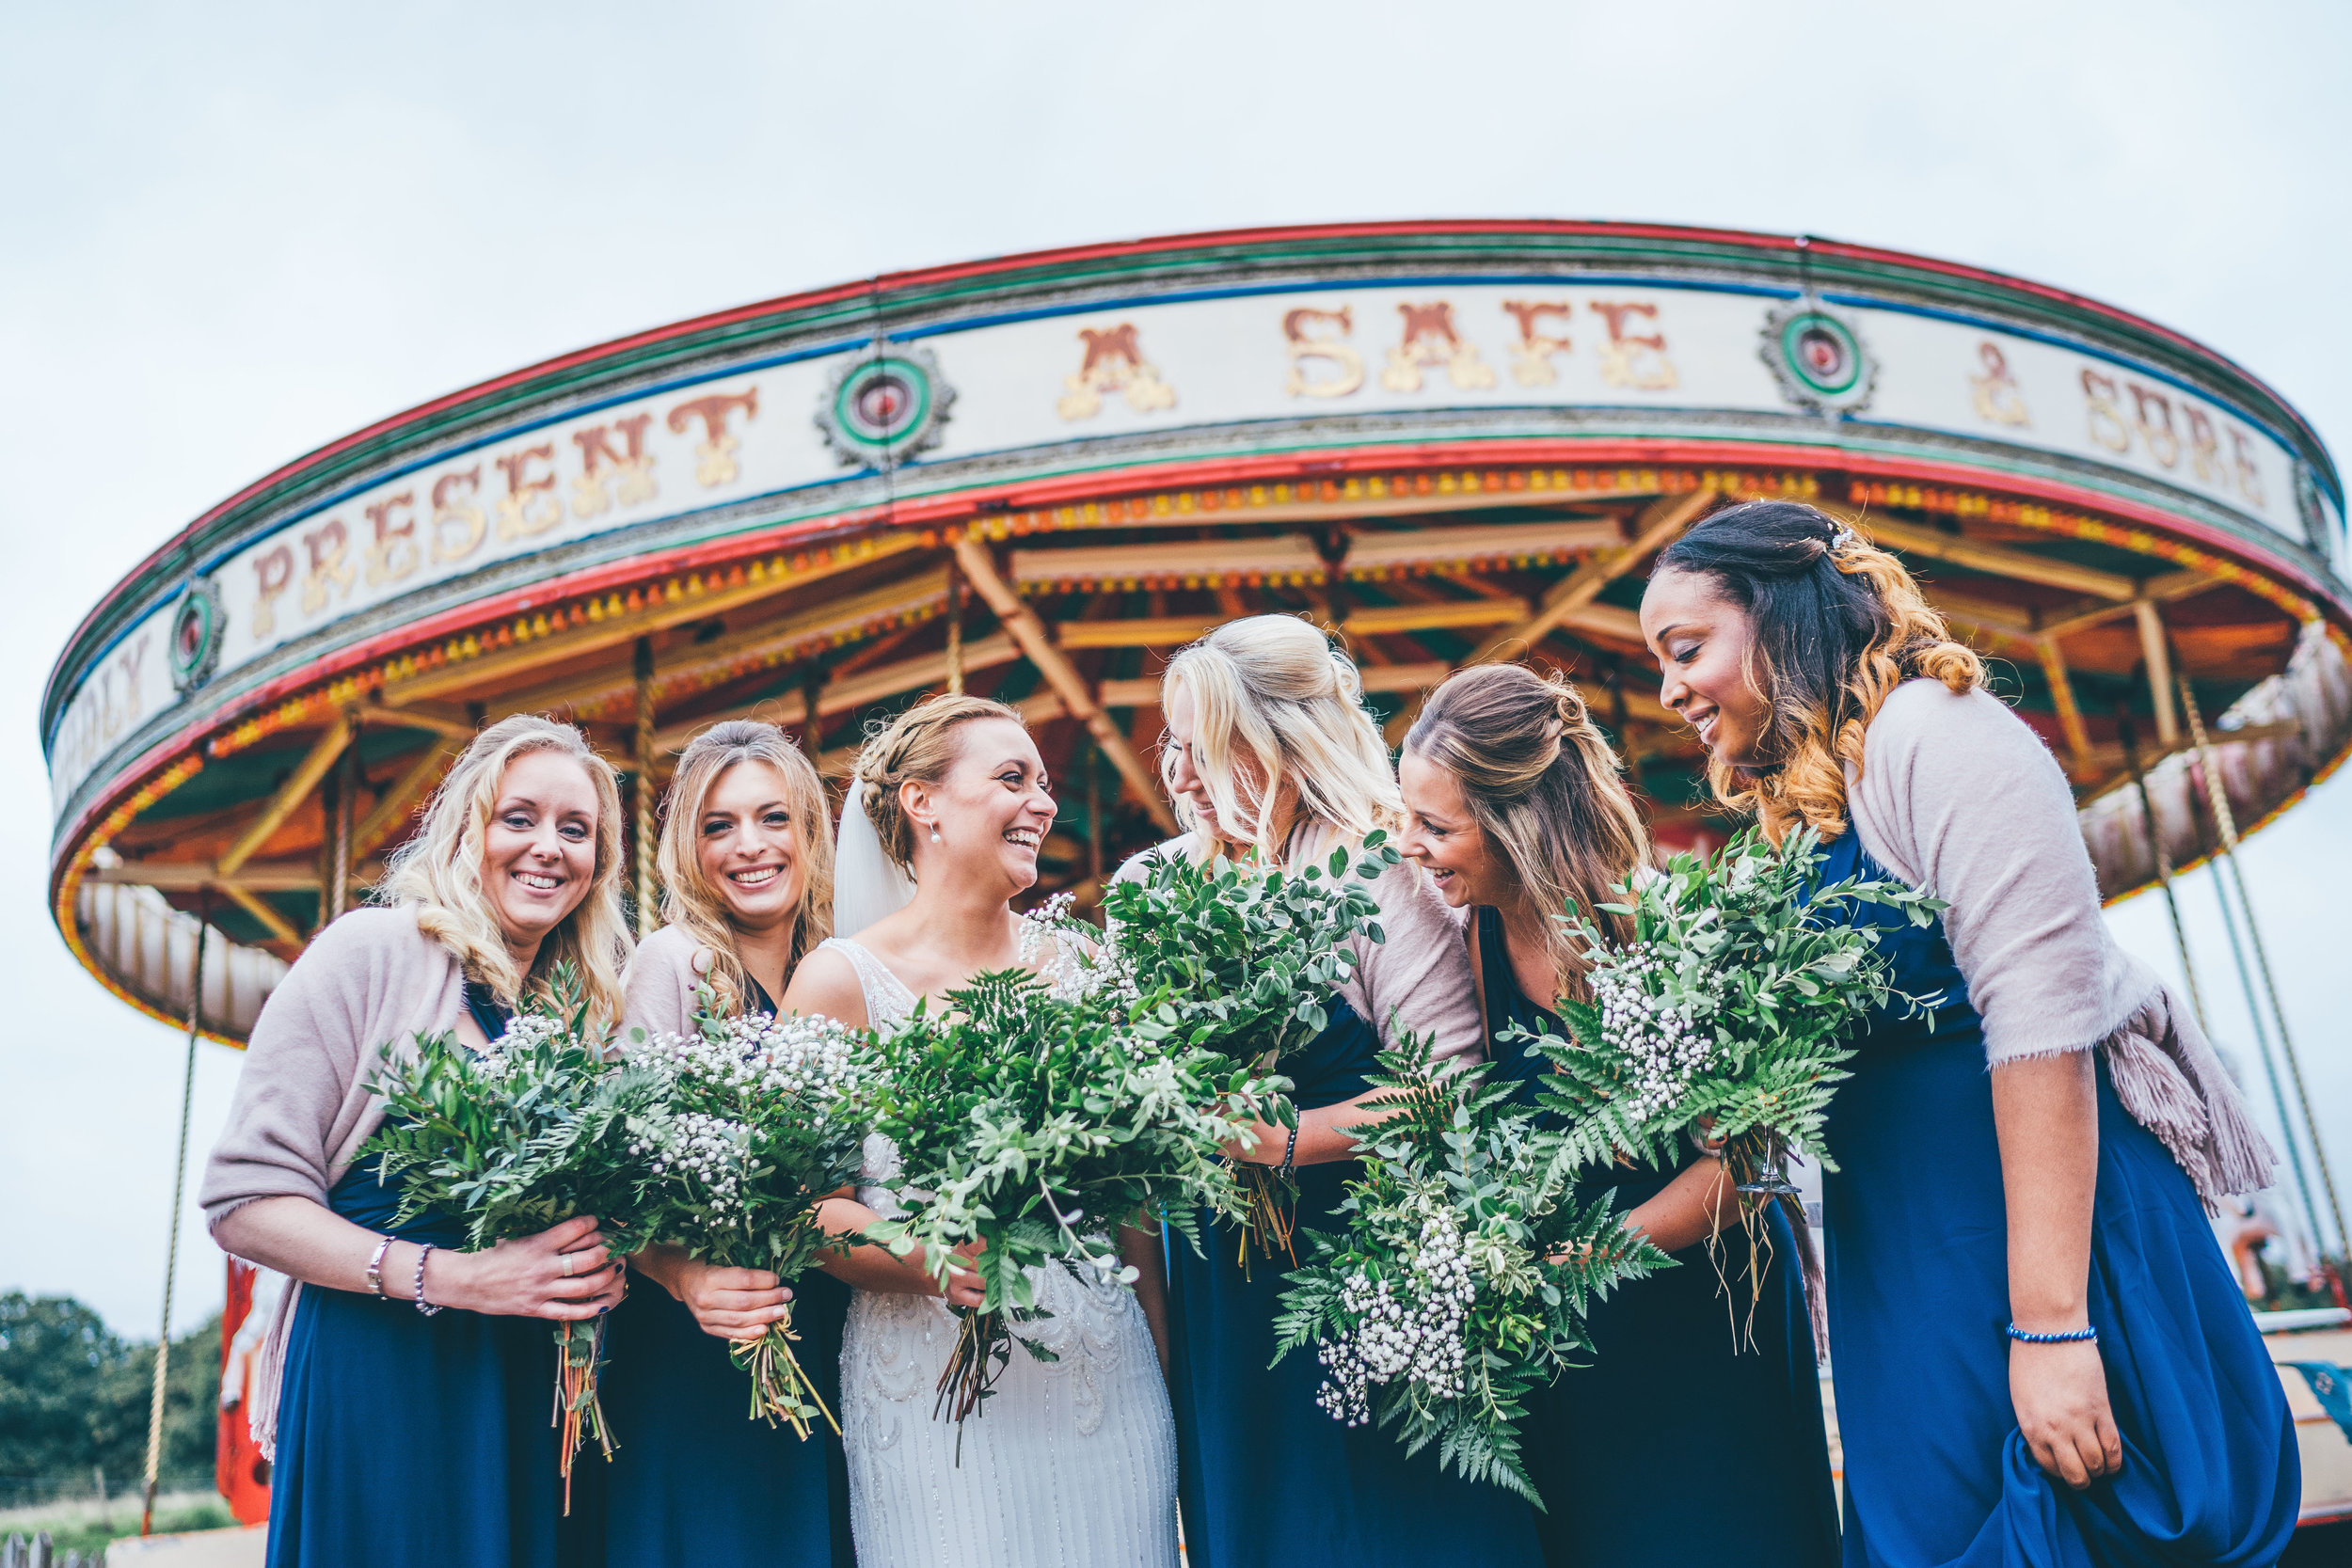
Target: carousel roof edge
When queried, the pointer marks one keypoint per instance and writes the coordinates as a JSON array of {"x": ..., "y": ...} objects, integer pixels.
[{"x": 872, "y": 304}]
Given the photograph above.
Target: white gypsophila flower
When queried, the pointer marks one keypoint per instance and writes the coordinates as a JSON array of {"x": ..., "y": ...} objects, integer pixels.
[
  {"x": 1410, "y": 1330},
  {"x": 1661, "y": 1046},
  {"x": 1070, "y": 972}
]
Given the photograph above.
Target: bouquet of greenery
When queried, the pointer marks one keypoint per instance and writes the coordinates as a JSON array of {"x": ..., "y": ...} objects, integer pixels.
[
  {"x": 1726, "y": 1014},
  {"x": 1458, "y": 1283},
  {"x": 1242, "y": 960},
  {"x": 763, "y": 1117},
  {"x": 538, "y": 1128},
  {"x": 1029, "y": 1104}
]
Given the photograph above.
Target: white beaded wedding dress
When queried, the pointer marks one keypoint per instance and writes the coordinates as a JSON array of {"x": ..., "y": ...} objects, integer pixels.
[{"x": 1074, "y": 1461}]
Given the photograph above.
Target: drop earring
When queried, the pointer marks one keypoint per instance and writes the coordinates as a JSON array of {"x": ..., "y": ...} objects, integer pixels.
[{"x": 934, "y": 832}]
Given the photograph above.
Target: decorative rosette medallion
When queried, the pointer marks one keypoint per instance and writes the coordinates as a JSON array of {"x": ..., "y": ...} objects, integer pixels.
[
  {"x": 197, "y": 624},
  {"x": 884, "y": 406},
  {"x": 1818, "y": 357}
]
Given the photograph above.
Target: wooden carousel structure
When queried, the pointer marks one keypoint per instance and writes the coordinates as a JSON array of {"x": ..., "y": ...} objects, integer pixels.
[{"x": 1034, "y": 478}]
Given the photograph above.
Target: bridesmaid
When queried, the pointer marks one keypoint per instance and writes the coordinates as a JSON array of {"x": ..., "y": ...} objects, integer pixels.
[
  {"x": 2042, "y": 1355},
  {"x": 1676, "y": 1439},
  {"x": 746, "y": 862},
  {"x": 406, "y": 1435},
  {"x": 1272, "y": 755}
]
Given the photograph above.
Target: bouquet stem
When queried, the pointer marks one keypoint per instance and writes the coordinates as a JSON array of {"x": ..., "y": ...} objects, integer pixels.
[
  {"x": 1272, "y": 1214},
  {"x": 780, "y": 1386},
  {"x": 982, "y": 1347},
  {"x": 579, "y": 1413}
]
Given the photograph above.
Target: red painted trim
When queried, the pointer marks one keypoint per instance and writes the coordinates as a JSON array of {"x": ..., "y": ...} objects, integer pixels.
[
  {"x": 978, "y": 504},
  {"x": 918, "y": 278}
]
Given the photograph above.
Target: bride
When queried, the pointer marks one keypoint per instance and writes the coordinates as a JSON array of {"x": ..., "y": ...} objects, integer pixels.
[{"x": 1074, "y": 1459}]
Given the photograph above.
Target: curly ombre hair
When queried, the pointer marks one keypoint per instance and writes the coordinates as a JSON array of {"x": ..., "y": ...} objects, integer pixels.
[
  {"x": 687, "y": 899},
  {"x": 440, "y": 872},
  {"x": 1839, "y": 623},
  {"x": 1276, "y": 706}
]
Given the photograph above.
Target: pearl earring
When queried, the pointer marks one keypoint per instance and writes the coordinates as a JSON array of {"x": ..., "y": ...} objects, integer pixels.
[{"x": 934, "y": 832}]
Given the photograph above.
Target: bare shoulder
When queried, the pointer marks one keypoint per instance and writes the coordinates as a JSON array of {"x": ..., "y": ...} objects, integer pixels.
[{"x": 827, "y": 983}]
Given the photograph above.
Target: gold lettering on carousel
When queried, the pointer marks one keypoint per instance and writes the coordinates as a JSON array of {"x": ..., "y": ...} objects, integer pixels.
[
  {"x": 2164, "y": 444},
  {"x": 273, "y": 573},
  {"x": 1636, "y": 359},
  {"x": 628, "y": 471},
  {"x": 466, "y": 517},
  {"x": 329, "y": 569},
  {"x": 1531, "y": 357},
  {"x": 1430, "y": 340},
  {"x": 517, "y": 518},
  {"x": 1114, "y": 363},
  {"x": 714, "y": 455},
  {"x": 2099, "y": 409},
  {"x": 2204, "y": 448},
  {"x": 2249, "y": 478},
  {"x": 1303, "y": 346},
  {"x": 393, "y": 552},
  {"x": 1995, "y": 392}
]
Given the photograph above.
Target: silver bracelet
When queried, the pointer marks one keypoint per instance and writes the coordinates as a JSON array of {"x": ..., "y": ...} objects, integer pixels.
[
  {"x": 423, "y": 1305},
  {"x": 375, "y": 1266}
]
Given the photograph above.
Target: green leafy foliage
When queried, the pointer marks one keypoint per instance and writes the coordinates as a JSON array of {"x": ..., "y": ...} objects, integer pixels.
[
  {"x": 1458, "y": 1281},
  {"x": 1729, "y": 1008}
]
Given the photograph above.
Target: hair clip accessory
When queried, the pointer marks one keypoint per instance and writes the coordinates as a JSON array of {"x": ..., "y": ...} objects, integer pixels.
[{"x": 1839, "y": 540}]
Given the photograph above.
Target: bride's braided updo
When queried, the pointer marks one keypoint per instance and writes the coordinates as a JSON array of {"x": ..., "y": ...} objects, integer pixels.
[{"x": 919, "y": 746}]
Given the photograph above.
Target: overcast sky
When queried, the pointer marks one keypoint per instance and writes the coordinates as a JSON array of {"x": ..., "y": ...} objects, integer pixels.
[{"x": 230, "y": 233}]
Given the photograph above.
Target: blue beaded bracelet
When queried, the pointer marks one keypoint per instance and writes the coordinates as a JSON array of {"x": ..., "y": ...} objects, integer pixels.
[{"x": 2073, "y": 1336}]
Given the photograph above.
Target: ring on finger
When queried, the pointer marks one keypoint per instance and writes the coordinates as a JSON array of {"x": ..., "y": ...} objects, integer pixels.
[{"x": 567, "y": 1263}]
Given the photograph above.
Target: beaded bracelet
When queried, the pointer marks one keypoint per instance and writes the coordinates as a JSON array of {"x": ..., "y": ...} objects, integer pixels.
[
  {"x": 2072, "y": 1337},
  {"x": 1289, "y": 1150},
  {"x": 423, "y": 1305},
  {"x": 375, "y": 1266}
]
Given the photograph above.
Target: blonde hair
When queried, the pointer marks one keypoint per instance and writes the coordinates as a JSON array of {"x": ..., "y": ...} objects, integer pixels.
[
  {"x": 1548, "y": 792},
  {"x": 919, "y": 746},
  {"x": 1838, "y": 624},
  {"x": 687, "y": 899},
  {"x": 1271, "y": 692},
  {"x": 440, "y": 872}
]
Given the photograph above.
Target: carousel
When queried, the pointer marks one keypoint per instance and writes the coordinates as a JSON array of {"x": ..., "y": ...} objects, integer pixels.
[{"x": 1034, "y": 478}]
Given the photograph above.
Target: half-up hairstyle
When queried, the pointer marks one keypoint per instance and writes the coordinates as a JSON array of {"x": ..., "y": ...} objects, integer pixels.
[
  {"x": 919, "y": 746},
  {"x": 440, "y": 872},
  {"x": 1839, "y": 623},
  {"x": 1549, "y": 792},
  {"x": 688, "y": 897},
  {"x": 1274, "y": 703}
]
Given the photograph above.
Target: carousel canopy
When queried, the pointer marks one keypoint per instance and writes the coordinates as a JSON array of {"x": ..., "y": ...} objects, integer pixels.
[{"x": 1446, "y": 442}]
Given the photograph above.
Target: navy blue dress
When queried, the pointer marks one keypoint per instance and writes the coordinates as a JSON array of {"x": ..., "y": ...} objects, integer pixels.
[
  {"x": 406, "y": 1441},
  {"x": 1936, "y": 1472},
  {"x": 1265, "y": 1478},
  {"x": 696, "y": 1480},
  {"x": 1676, "y": 1444}
]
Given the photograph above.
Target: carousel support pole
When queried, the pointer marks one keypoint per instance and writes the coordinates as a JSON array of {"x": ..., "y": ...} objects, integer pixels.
[
  {"x": 347, "y": 791},
  {"x": 1094, "y": 820},
  {"x": 2155, "y": 650},
  {"x": 179, "y": 1193},
  {"x": 2164, "y": 868},
  {"x": 644, "y": 788},
  {"x": 2077, "y": 733},
  {"x": 2216, "y": 792},
  {"x": 955, "y": 628}
]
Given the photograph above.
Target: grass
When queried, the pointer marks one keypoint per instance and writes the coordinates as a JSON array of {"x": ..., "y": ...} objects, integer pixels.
[{"x": 85, "y": 1525}]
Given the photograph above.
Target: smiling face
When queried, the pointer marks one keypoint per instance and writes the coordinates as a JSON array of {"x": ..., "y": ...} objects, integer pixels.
[
  {"x": 539, "y": 853},
  {"x": 993, "y": 808},
  {"x": 1442, "y": 837},
  {"x": 1182, "y": 771},
  {"x": 1705, "y": 645},
  {"x": 749, "y": 846}
]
